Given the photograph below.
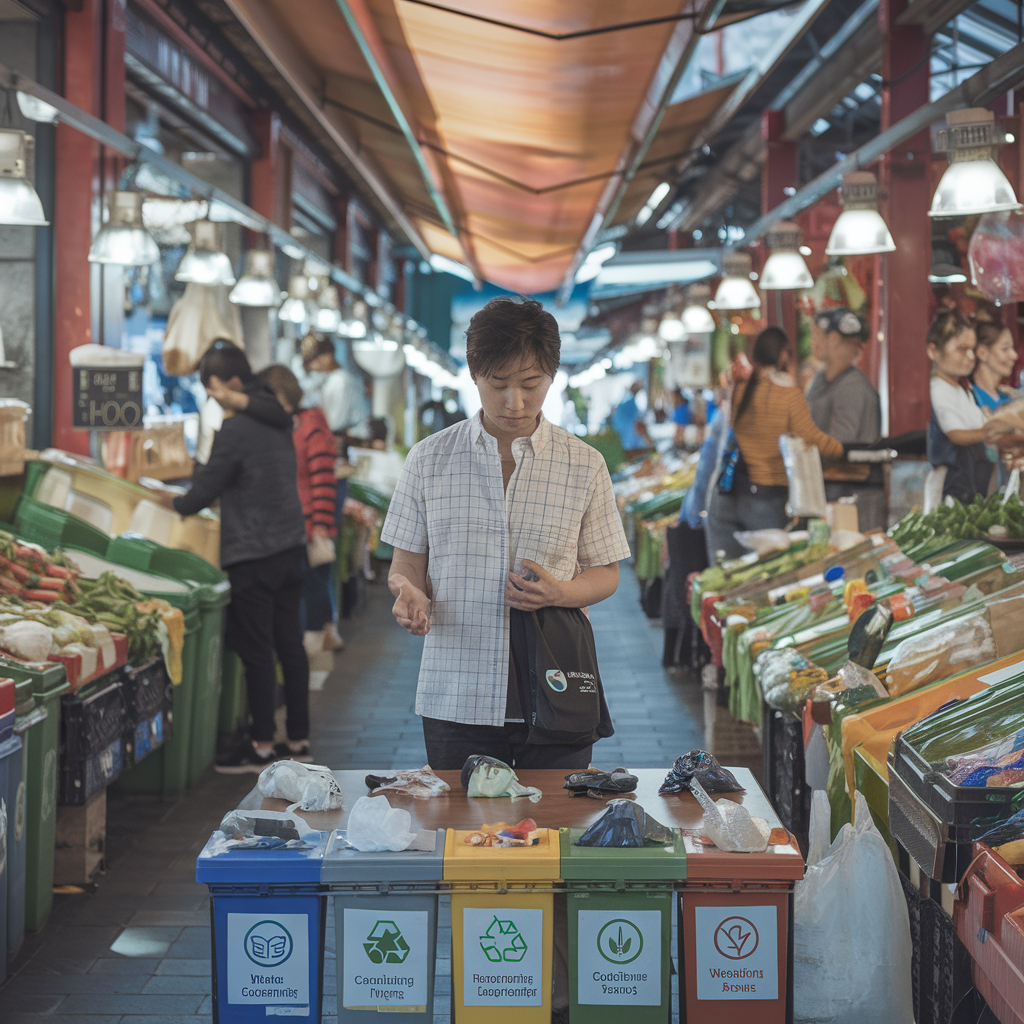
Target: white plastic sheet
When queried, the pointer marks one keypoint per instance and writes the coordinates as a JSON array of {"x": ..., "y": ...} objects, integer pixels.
[
  {"x": 852, "y": 946},
  {"x": 374, "y": 825}
]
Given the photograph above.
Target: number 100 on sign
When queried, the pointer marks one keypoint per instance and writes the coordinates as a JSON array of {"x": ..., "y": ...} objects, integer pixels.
[{"x": 107, "y": 398}]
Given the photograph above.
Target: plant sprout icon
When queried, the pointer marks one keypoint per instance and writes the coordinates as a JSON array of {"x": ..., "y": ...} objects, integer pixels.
[
  {"x": 736, "y": 938},
  {"x": 620, "y": 941},
  {"x": 619, "y": 946}
]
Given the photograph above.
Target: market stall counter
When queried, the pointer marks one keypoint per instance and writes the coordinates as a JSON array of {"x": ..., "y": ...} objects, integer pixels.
[{"x": 714, "y": 886}]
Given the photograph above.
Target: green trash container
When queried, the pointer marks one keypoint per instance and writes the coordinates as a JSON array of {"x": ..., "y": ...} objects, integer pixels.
[
  {"x": 620, "y": 929},
  {"x": 214, "y": 594},
  {"x": 234, "y": 703},
  {"x": 41, "y": 738}
]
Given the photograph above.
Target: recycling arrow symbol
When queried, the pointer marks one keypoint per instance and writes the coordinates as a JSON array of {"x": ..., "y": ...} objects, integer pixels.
[
  {"x": 385, "y": 944},
  {"x": 502, "y": 943}
]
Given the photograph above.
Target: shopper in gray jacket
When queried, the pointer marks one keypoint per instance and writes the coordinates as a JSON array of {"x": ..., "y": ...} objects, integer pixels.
[{"x": 251, "y": 470}]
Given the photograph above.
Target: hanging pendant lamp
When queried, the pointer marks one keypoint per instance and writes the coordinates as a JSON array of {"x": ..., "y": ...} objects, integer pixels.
[
  {"x": 696, "y": 317},
  {"x": 785, "y": 269},
  {"x": 860, "y": 229},
  {"x": 735, "y": 291},
  {"x": 124, "y": 240},
  {"x": 205, "y": 262},
  {"x": 257, "y": 286},
  {"x": 19, "y": 201}
]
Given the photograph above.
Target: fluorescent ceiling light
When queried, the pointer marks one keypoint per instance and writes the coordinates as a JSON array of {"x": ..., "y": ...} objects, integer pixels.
[
  {"x": 591, "y": 266},
  {"x": 658, "y": 194},
  {"x": 124, "y": 239},
  {"x": 666, "y": 272},
  {"x": 642, "y": 216},
  {"x": 36, "y": 109},
  {"x": 257, "y": 286},
  {"x": 443, "y": 265}
]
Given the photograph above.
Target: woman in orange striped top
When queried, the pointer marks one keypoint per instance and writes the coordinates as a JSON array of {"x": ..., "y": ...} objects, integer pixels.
[{"x": 765, "y": 407}]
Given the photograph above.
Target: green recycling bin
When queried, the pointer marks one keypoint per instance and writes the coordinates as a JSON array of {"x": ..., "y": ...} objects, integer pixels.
[
  {"x": 40, "y": 735},
  {"x": 619, "y": 905},
  {"x": 232, "y": 716},
  {"x": 214, "y": 595}
]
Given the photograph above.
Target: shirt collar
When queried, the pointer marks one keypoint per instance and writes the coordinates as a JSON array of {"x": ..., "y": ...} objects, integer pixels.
[{"x": 536, "y": 442}]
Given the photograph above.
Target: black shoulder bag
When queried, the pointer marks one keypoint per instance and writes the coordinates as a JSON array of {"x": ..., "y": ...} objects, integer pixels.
[{"x": 558, "y": 680}]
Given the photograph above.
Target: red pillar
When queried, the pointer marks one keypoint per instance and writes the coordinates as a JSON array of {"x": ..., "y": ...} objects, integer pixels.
[
  {"x": 93, "y": 76},
  {"x": 905, "y": 177},
  {"x": 781, "y": 171}
]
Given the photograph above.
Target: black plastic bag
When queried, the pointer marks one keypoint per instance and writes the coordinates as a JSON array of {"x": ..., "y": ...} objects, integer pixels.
[
  {"x": 704, "y": 767},
  {"x": 625, "y": 824},
  {"x": 594, "y": 782}
]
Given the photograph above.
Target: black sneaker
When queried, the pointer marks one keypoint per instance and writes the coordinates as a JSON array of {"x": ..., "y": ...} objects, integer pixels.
[
  {"x": 244, "y": 759},
  {"x": 285, "y": 753}
]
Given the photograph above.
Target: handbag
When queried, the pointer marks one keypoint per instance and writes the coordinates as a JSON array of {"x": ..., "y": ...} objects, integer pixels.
[
  {"x": 560, "y": 691},
  {"x": 320, "y": 551}
]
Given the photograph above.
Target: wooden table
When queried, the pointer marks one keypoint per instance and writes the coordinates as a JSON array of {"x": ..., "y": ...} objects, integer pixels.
[{"x": 557, "y": 809}]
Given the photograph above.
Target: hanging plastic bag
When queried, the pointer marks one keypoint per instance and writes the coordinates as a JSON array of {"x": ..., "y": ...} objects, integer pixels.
[
  {"x": 201, "y": 316},
  {"x": 310, "y": 787},
  {"x": 764, "y": 542},
  {"x": 374, "y": 825},
  {"x": 996, "y": 256},
  {"x": 852, "y": 950},
  {"x": 806, "y": 481}
]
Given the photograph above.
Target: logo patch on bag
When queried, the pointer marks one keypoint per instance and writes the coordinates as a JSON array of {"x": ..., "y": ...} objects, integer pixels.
[{"x": 556, "y": 680}]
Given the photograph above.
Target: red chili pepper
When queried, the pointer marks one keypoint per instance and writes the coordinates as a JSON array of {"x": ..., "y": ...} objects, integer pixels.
[{"x": 46, "y": 596}]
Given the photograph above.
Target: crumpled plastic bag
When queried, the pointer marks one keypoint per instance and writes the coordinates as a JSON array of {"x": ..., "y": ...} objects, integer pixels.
[
  {"x": 310, "y": 787},
  {"x": 852, "y": 950},
  {"x": 730, "y": 826},
  {"x": 257, "y": 831},
  {"x": 704, "y": 767},
  {"x": 488, "y": 777},
  {"x": 374, "y": 825},
  {"x": 420, "y": 783},
  {"x": 625, "y": 824},
  {"x": 594, "y": 782},
  {"x": 996, "y": 256},
  {"x": 939, "y": 653},
  {"x": 763, "y": 541},
  {"x": 27, "y": 640}
]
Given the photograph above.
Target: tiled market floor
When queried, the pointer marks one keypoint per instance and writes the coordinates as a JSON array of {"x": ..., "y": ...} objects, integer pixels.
[{"x": 136, "y": 950}]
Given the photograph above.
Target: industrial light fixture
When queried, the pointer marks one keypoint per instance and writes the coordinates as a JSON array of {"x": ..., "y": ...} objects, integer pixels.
[
  {"x": 696, "y": 318},
  {"x": 257, "y": 287},
  {"x": 860, "y": 229},
  {"x": 671, "y": 327},
  {"x": 973, "y": 182},
  {"x": 945, "y": 267},
  {"x": 735, "y": 290},
  {"x": 205, "y": 262},
  {"x": 19, "y": 201},
  {"x": 328, "y": 314},
  {"x": 293, "y": 309},
  {"x": 785, "y": 268},
  {"x": 124, "y": 239},
  {"x": 36, "y": 109}
]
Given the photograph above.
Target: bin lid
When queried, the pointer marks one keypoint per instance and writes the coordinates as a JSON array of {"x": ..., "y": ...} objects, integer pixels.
[
  {"x": 10, "y": 746},
  {"x": 645, "y": 864},
  {"x": 343, "y": 865},
  {"x": 253, "y": 867},
  {"x": 497, "y": 863},
  {"x": 49, "y": 679}
]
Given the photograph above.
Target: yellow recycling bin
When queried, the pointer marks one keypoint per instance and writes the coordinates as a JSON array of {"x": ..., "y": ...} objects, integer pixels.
[{"x": 502, "y": 929}]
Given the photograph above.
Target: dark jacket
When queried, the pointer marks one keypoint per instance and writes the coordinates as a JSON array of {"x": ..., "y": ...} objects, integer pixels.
[{"x": 252, "y": 470}]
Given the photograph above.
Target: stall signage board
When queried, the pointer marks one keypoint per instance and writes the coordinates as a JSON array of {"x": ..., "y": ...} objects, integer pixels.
[
  {"x": 737, "y": 952},
  {"x": 502, "y": 956},
  {"x": 107, "y": 398},
  {"x": 619, "y": 957},
  {"x": 268, "y": 962},
  {"x": 386, "y": 965}
]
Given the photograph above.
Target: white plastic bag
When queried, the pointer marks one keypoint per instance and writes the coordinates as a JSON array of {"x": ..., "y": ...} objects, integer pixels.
[
  {"x": 310, "y": 787},
  {"x": 806, "y": 481},
  {"x": 201, "y": 316},
  {"x": 729, "y": 825},
  {"x": 851, "y": 952},
  {"x": 763, "y": 541},
  {"x": 374, "y": 825},
  {"x": 27, "y": 640}
]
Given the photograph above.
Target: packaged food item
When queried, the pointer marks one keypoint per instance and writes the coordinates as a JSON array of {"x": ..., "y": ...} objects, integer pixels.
[
  {"x": 704, "y": 767},
  {"x": 787, "y": 678},
  {"x": 420, "y": 783},
  {"x": 625, "y": 824},
  {"x": 939, "y": 653},
  {"x": 995, "y": 764}
]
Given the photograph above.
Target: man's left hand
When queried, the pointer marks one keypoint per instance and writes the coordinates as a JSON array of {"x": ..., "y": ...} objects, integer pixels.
[{"x": 527, "y": 595}]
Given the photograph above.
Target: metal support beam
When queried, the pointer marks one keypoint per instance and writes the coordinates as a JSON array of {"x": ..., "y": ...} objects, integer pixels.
[
  {"x": 980, "y": 89},
  {"x": 293, "y": 67},
  {"x": 367, "y": 36}
]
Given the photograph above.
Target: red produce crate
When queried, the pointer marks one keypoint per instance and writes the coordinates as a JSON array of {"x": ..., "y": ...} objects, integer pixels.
[
  {"x": 73, "y": 663},
  {"x": 989, "y": 920}
]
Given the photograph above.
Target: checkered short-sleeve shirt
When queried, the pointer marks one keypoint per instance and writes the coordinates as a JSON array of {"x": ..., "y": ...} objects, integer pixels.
[{"x": 558, "y": 511}]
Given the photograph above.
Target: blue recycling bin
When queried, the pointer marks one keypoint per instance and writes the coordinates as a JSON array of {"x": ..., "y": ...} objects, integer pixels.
[
  {"x": 17, "y": 844},
  {"x": 10, "y": 752},
  {"x": 269, "y": 918}
]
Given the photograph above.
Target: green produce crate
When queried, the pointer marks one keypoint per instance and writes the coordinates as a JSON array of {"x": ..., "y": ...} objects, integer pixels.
[
  {"x": 869, "y": 780},
  {"x": 54, "y": 528},
  {"x": 214, "y": 595},
  {"x": 41, "y": 740}
]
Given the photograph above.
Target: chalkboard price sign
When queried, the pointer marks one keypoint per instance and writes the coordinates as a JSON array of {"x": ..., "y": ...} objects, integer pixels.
[{"x": 108, "y": 398}]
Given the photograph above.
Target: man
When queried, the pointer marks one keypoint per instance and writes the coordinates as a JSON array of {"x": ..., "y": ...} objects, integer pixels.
[
  {"x": 505, "y": 510},
  {"x": 252, "y": 471},
  {"x": 628, "y": 422},
  {"x": 844, "y": 404}
]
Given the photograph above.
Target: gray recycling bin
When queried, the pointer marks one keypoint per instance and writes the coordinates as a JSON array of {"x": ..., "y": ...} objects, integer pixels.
[{"x": 385, "y": 912}]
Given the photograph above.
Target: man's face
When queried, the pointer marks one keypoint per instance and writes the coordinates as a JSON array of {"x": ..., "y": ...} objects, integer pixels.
[
  {"x": 512, "y": 397},
  {"x": 216, "y": 387},
  {"x": 841, "y": 348}
]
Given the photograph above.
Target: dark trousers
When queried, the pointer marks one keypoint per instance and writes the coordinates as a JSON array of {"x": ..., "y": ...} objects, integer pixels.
[
  {"x": 317, "y": 606},
  {"x": 264, "y": 620},
  {"x": 450, "y": 743}
]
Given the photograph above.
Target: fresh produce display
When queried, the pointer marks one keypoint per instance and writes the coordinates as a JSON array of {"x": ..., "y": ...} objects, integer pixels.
[
  {"x": 984, "y": 518},
  {"x": 29, "y": 572},
  {"x": 118, "y": 605}
]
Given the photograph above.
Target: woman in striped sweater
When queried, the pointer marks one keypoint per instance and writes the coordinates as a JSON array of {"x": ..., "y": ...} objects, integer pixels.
[
  {"x": 766, "y": 406},
  {"x": 314, "y": 455}
]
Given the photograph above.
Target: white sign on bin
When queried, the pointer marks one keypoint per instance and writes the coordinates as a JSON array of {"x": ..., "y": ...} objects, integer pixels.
[
  {"x": 385, "y": 960},
  {"x": 502, "y": 956},
  {"x": 737, "y": 952},
  {"x": 268, "y": 962},
  {"x": 619, "y": 955}
]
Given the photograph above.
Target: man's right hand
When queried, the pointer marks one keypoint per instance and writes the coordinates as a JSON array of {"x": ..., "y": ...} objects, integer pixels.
[{"x": 412, "y": 606}]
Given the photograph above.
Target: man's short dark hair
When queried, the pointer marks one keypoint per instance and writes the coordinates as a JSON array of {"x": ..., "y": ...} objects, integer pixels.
[
  {"x": 224, "y": 359},
  {"x": 510, "y": 332}
]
